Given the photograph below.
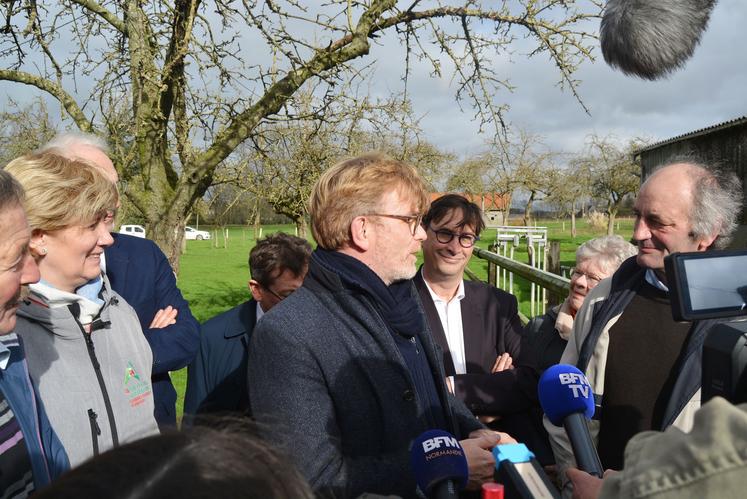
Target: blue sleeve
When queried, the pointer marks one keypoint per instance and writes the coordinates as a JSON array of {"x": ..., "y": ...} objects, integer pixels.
[
  {"x": 55, "y": 453},
  {"x": 198, "y": 382},
  {"x": 175, "y": 346}
]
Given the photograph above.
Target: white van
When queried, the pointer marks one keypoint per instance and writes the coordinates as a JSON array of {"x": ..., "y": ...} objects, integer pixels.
[{"x": 133, "y": 230}]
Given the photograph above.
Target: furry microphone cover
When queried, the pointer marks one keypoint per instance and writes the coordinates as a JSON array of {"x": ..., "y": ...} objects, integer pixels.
[{"x": 652, "y": 38}]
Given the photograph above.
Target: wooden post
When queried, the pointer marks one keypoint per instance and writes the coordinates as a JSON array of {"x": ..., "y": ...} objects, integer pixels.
[
  {"x": 493, "y": 268},
  {"x": 553, "y": 266}
]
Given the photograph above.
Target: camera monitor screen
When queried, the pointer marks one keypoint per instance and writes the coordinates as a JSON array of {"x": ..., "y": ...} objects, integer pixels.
[{"x": 707, "y": 285}]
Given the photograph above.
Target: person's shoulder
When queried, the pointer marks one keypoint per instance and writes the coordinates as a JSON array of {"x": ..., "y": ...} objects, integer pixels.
[
  {"x": 230, "y": 320},
  {"x": 129, "y": 243}
]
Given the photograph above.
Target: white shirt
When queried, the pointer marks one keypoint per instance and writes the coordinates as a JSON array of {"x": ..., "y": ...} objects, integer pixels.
[
  {"x": 450, "y": 314},
  {"x": 260, "y": 312}
]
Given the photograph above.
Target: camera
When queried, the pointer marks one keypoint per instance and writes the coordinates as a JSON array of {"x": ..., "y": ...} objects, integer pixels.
[{"x": 712, "y": 286}]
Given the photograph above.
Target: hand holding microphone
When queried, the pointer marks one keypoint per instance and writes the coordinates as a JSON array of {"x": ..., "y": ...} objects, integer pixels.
[
  {"x": 439, "y": 464},
  {"x": 567, "y": 399}
]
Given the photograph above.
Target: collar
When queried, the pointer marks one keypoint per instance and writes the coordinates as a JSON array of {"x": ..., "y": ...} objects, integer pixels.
[
  {"x": 49, "y": 296},
  {"x": 7, "y": 341},
  {"x": 260, "y": 312},
  {"x": 458, "y": 296},
  {"x": 654, "y": 280}
]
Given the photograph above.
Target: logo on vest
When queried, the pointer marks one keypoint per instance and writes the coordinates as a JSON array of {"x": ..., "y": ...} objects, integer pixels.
[{"x": 135, "y": 388}]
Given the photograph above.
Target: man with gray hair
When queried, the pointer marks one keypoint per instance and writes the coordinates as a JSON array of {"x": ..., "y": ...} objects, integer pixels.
[
  {"x": 653, "y": 379},
  {"x": 139, "y": 271}
]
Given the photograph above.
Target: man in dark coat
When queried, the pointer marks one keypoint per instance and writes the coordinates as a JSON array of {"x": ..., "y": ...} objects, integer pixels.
[
  {"x": 344, "y": 374},
  {"x": 476, "y": 325},
  {"x": 216, "y": 381}
]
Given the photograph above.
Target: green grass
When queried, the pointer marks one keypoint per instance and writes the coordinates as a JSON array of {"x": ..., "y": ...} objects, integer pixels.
[{"x": 214, "y": 279}]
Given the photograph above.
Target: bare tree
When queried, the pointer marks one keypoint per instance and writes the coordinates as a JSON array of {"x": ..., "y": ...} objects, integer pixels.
[
  {"x": 614, "y": 171},
  {"x": 23, "y": 129},
  {"x": 178, "y": 86}
]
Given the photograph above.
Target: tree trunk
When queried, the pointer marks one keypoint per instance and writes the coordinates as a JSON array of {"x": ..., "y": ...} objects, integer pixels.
[
  {"x": 257, "y": 223},
  {"x": 301, "y": 227},
  {"x": 168, "y": 234},
  {"x": 611, "y": 213},
  {"x": 573, "y": 219},
  {"x": 507, "y": 209},
  {"x": 528, "y": 210}
]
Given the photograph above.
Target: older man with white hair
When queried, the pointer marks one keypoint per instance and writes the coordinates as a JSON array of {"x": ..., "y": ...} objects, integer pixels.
[{"x": 645, "y": 368}]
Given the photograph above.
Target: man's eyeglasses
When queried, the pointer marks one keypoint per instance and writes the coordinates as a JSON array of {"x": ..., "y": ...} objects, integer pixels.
[
  {"x": 590, "y": 278},
  {"x": 412, "y": 220},
  {"x": 278, "y": 296},
  {"x": 444, "y": 236}
]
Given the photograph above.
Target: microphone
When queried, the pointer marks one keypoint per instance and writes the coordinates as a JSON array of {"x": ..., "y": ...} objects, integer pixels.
[
  {"x": 566, "y": 397},
  {"x": 652, "y": 38},
  {"x": 521, "y": 474},
  {"x": 439, "y": 464}
]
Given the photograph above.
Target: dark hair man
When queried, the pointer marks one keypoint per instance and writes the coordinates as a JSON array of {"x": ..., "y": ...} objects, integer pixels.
[
  {"x": 476, "y": 325},
  {"x": 653, "y": 379},
  {"x": 139, "y": 271},
  {"x": 344, "y": 374},
  {"x": 216, "y": 380},
  {"x": 31, "y": 455}
]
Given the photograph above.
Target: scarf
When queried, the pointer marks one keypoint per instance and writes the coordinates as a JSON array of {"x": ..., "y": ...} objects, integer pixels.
[
  {"x": 54, "y": 298},
  {"x": 396, "y": 303}
]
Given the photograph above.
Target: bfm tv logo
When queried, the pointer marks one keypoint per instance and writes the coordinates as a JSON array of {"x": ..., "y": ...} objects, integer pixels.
[
  {"x": 576, "y": 382},
  {"x": 436, "y": 442}
]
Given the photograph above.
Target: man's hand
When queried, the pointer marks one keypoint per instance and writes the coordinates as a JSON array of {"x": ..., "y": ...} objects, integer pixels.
[
  {"x": 586, "y": 486},
  {"x": 164, "y": 317},
  {"x": 478, "y": 451},
  {"x": 502, "y": 362}
]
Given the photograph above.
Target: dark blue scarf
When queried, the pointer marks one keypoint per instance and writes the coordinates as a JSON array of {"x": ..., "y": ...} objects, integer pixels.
[
  {"x": 396, "y": 303},
  {"x": 399, "y": 308}
]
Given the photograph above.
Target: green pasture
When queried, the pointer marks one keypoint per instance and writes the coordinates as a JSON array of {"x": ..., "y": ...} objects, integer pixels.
[{"x": 213, "y": 278}]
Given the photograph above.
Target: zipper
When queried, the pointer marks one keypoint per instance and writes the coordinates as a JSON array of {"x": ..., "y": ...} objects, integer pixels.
[
  {"x": 95, "y": 431},
  {"x": 97, "y": 368}
]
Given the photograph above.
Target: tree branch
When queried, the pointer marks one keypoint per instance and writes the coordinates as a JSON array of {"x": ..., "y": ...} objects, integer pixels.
[
  {"x": 55, "y": 91},
  {"x": 102, "y": 12}
]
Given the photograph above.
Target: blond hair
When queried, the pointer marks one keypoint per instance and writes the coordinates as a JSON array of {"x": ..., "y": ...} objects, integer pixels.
[
  {"x": 355, "y": 187},
  {"x": 61, "y": 192}
]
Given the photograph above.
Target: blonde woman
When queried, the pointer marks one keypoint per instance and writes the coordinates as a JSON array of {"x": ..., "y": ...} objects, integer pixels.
[{"x": 85, "y": 348}]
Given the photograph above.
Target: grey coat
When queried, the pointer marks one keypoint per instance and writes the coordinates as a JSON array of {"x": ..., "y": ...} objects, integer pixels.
[
  {"x": 85, "y": 410},
  {"x": 328, "y": 385}
]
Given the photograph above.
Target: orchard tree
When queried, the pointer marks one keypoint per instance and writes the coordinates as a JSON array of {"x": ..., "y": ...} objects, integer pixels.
[
  {"x": 178, "y": 86},
  {"x": 615, "y": 172}
]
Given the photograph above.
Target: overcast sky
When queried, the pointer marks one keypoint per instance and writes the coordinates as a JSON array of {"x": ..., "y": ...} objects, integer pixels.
[
  {"x": 712, "y": 88},
  {"x": 709, "y": 90}
]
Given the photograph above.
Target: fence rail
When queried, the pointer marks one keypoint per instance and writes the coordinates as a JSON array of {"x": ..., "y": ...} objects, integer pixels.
[{"x": 555, "y": 284}]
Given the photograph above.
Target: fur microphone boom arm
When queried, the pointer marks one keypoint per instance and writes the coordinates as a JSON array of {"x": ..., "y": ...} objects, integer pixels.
[{"x": 652, "y": 38}]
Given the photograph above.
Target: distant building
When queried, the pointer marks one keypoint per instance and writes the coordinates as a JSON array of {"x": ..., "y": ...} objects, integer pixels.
[
  {"x": 494, "y": 206},
  {"x": 724, "y": 144}
]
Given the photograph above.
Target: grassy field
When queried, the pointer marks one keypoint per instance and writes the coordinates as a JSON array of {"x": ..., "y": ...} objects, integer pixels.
[{"x": 214, "y": 279}]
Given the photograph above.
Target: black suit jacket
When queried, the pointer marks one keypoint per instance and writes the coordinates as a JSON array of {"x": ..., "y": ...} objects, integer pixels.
[{"x": 491, "y": 327}]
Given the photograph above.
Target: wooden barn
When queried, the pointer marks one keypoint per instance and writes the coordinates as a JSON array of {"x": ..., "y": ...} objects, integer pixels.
[{"x": 724, "y": 144}]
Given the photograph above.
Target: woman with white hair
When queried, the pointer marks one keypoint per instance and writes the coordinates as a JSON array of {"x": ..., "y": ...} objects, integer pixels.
[{"x": 85, "y": 349}]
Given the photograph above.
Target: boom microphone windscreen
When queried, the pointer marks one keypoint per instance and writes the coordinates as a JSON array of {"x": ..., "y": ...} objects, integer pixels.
[{"x": 652, "y": 38}]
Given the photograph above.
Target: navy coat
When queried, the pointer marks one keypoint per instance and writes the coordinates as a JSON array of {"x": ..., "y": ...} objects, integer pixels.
[
  {"x": 139, "y": 271},
  {"x": 216, "y": 381}
]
